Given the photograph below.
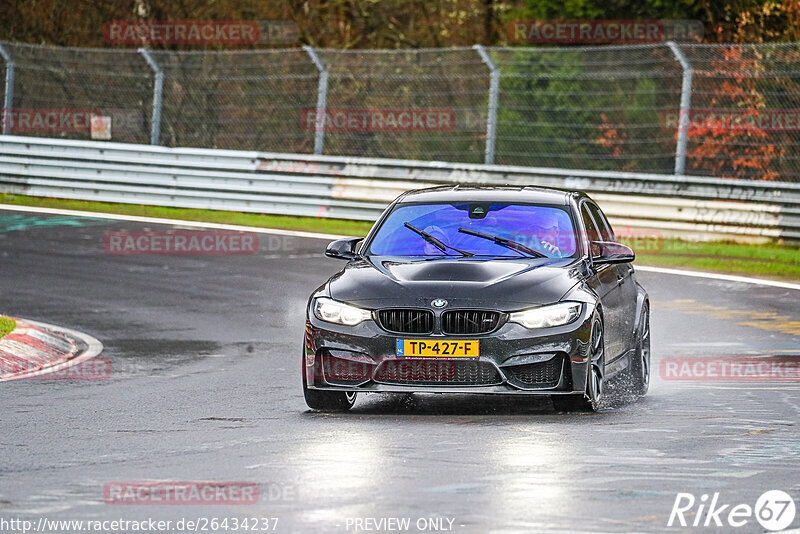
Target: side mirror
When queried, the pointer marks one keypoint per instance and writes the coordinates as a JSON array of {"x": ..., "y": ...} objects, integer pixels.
[
  {"x": 343, "y": 249},
  {"x": 605, "y": 252}
]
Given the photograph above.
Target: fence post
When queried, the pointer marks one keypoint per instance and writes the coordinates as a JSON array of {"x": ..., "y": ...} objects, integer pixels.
[
  {"x": 686, "y": 104},
  {"x": 322, "y": 99},
  {"x": 158, "y": 89},
  {"x": 494, "y": 89},
  {"x": 8, "y": 101}
]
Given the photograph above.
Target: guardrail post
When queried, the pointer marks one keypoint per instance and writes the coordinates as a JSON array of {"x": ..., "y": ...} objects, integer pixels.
[
  {"x": 322, "y": 99},
  {"x": 158, "y": 90},
  {"x": 8, "y": 101},
  {"x": 686, "y": 104},
  {"x": 494, "y": 90}
]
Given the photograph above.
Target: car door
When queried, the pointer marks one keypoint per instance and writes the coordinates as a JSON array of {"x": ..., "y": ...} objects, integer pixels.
[
  {"x": 627, "y": 283},
  {"x": 605, "y": 282}
]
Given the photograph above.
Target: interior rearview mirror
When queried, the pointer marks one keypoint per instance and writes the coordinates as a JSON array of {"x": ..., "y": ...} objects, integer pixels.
[
  {"x": 605, "y": 252},
  {"x": 343, "y": 249}
]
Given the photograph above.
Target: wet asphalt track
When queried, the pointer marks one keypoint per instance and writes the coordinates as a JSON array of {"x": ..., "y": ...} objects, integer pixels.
[{"x": 205, "y": 386}]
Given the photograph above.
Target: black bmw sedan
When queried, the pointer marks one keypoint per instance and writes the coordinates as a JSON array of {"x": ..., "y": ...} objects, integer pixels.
[{"x": 499, "y": 290}]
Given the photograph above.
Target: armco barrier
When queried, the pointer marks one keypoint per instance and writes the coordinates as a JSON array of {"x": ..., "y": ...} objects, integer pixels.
[{"x": 359, "y": 188}]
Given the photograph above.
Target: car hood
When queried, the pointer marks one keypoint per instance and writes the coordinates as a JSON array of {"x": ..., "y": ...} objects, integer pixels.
[{"x": 504, "y": 284}]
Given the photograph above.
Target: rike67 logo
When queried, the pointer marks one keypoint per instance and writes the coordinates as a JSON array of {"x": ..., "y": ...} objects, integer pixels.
[{"x": 774, "y": 510}]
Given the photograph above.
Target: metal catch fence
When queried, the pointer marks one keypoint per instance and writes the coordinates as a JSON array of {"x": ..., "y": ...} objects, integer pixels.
[{"x": 689, "y": 109}]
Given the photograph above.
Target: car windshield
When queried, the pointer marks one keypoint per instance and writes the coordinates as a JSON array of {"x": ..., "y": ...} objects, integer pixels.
[{"x": 546, "y": 230}]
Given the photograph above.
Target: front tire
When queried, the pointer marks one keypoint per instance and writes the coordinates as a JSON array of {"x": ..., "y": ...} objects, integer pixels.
[
  {"x": 327, "y": 401},
  {"x": 595, "y": 384},
  {"x": 640, "y": 366}
]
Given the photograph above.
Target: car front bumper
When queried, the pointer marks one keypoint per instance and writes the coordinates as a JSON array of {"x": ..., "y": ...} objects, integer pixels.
[{"x": 513, "y": 360}]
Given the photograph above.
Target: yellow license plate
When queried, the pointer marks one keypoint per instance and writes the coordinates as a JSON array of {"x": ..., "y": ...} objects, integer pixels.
[{"x": 428, "y": 348}]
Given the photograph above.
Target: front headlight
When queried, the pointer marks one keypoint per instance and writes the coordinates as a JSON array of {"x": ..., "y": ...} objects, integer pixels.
[
  {"x": 545, "y": 316},
  {"x": 333, "y": 311}
]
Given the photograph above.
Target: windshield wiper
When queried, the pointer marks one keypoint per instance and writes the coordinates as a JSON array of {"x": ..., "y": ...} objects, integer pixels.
[
  {"x": 436, "y": 242},
  {"x": 502, "y": 241}
]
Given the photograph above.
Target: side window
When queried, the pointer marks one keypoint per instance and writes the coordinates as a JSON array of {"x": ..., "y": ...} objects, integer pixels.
[
  {"x": 588, "y": 222},
  {"x": 606, "y": 232}
]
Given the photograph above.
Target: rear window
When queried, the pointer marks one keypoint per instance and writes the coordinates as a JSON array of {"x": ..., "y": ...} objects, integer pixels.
[{"x": 545, "y": 229}]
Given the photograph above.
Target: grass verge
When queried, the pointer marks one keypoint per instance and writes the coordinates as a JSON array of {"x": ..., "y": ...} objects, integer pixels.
[
  {"x": 285, "y": 222},
  {"x": 772, "y": 260},
  {"x": 7, "y": 325}
]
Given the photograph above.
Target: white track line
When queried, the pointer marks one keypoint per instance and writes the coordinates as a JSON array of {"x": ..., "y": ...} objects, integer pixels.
[
  {"x": 313, "y": 235},
  {"x": 176, "y": 222},
  {"x": 94, "y": 347},
  {"x": 716, "y": 276}
]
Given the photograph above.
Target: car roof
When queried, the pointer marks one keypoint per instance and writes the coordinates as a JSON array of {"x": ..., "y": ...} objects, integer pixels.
[{"x": 502, "y": 194}]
